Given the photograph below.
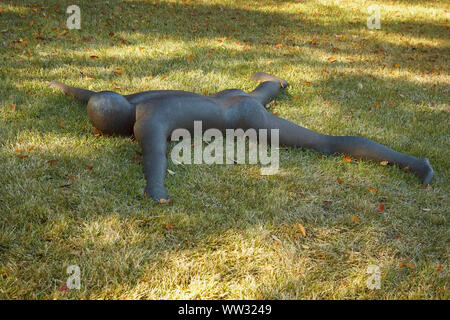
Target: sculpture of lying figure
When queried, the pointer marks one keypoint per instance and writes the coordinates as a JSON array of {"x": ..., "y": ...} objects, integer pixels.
[{"x": 153, "y": 115}]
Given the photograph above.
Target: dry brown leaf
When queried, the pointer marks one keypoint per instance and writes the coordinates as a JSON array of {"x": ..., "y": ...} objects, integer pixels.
[
  {"x": 410, "y": 265},
  {"x": 302, "y": 229},
  {"x": 356, "y": 219},
  {"x": 169, "y": 225},
  {"x": 371, "y": 189}
]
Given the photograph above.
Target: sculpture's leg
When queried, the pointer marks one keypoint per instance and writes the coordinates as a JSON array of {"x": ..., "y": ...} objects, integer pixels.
[
  {"x": 78, "y": 93},
  {"x": 253, "y": 115},
  {"x": 358, "y": 147}
]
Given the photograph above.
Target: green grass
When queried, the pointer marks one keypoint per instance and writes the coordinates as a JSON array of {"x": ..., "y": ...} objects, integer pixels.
[{"x": 235, "y": 233}]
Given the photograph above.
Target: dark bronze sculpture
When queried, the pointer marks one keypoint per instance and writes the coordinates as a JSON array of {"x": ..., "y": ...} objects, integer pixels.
[{"x": 153, "y": 115}]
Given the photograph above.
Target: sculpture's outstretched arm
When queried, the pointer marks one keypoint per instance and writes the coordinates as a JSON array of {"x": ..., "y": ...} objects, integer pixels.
[
  {"x": 78, "y": 93},
  {"x": 269, "y": 87},
  {"x": 152, "y": 136}
]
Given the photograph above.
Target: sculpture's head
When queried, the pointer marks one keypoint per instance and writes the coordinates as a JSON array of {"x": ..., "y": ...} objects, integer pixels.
[{"x": 111, "y": 113}]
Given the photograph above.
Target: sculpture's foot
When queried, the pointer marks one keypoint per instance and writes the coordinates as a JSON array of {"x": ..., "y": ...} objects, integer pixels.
[
  {"x": 423, "y": 170},
  {"x": 263, "y": 77}
]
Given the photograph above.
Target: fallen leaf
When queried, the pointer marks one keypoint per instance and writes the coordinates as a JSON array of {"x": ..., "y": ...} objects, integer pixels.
[
  {"x": 117, "y": 71},
  {"x": 279, "y": 45},
  {"x": 12, "y": 106},
  {"x": 90, "y": 167},
  {"x": 356, "y": 219},
  {"x": 331, "y": 59},
  {"x": 410, "y": 265},
  {"x": 307, "y": 83},
  {"x": 191, "y": 58},
  {"x": 136, "y": 159},
  {"x": 380, "y": 207},
  {"x": 95, "y": 57},
  {"x": 439, "y": 268},
  {"x": 340, "y": 180},
  {"x": 169, "y": 226},
  {"x": 384, "y": 163},
  {"x": 371, "y": 189},
  {"x": 347, "y": 159},
  {"x": 302, "y": 229},
  {"x": 51, "y": 162},
  {"x": 63, "y": 287},
  {"x": 164, "y": 201},
  {"x": 402, "y": 264}
]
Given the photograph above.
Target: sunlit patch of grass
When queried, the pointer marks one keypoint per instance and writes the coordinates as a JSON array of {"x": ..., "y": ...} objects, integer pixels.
[{"x": 69, "y": 197}]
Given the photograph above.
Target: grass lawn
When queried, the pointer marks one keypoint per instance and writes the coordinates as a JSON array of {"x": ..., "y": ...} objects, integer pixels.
[{"x": 71, "y": 197}]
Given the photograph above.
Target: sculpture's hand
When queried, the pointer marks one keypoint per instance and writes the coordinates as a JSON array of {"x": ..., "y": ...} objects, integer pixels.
[
  {"x": 157, "y": 192},
  {"x": 55, "y": 85}
]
